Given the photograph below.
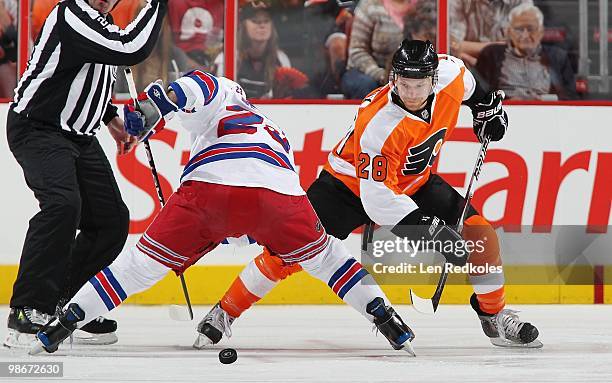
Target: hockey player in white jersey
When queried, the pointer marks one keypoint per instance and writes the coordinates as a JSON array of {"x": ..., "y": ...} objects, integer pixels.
[{"x": 240, "y": 180}]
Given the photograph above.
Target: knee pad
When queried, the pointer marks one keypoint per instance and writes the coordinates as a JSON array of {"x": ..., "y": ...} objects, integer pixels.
[
  {"x": 330, "y": 259},
  {"x": 137, "y": 270},
  {"x": 273, "y": 267}
]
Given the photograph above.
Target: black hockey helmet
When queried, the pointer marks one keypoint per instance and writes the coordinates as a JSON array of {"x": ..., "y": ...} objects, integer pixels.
[{"x": 415, "y": 59}]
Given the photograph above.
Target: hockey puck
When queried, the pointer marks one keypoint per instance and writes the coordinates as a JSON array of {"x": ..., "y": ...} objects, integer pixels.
[{"x": 228, "y": 356}]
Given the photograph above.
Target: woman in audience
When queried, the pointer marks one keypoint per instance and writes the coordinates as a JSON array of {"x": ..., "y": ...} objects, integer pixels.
[
  {"x": 376, "y": 33},
  {"x": 258, "y": 56}
]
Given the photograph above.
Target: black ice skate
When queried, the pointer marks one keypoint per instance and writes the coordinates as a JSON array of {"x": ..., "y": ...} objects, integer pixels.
[
  {"x": 211, "y": 329},
  {"x": 58, "y": 329},
  {"x": 505, "y": 329},
  {"x": 389, "y": 323},
  {"x": 99, "y": 331},
  {"x": 23, "y": 324}
]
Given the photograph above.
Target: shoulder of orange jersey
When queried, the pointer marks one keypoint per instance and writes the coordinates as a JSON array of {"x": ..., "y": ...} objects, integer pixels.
[
  {"x": 375, "y": 95},
  {"x": 449, "y": 68},
  {"x": 454, "y": 78}
]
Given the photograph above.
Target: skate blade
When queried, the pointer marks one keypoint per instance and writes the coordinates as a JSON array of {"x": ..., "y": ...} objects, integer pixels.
[
  {"x": 409, "y": 349},
  {"x": 19, "y": 341},
  {"x": 424, "y": 306},
  {"x": 202, "y": 342},
  {"x": 37, "y": 348},
  {"x": 499, "y": 342},
  {"x": 179, "y": 313},
  {"x": 86, "y": 338}
]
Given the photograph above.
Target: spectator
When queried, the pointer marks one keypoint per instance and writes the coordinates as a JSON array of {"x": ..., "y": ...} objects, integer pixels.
[
  {"x": 8, "y": 47},
  {"x": 158, "y": 60},
  {"x": 258, "y": 54},
  {"x": 561, "y": 28},
  {"x": 376, "y": 34},
  {"x": 197, "y": 32},
  {"x": 523, "y": 67},
  {"x": 158, "y": 64},
  {"x": 474, "y": 24},
  {"x": 333, "y": 29},
  {"x": 422, "y": 25},
  {"x": 313, "y": 34}
]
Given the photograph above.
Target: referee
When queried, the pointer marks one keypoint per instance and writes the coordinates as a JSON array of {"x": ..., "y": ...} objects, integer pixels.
[{"x": 60, "y": 101}]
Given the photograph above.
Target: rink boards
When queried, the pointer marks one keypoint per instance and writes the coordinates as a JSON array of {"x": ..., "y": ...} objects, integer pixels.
[{"x": 553, "y": 168}]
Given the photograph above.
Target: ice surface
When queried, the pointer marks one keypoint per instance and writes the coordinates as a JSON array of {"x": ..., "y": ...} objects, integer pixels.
[{"x": 333, "y": 343}]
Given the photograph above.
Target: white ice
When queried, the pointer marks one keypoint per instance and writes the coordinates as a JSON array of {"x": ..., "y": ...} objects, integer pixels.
[{"x": 333, "y": 343}]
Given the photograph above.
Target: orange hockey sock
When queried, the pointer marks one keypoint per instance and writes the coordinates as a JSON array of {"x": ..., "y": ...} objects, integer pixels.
[
  {"x": 489, "y": 287},
  {"x": 238, "y": 299},
  {"x": 493, "y": 302},
  {"x": 261, "y": 275}
]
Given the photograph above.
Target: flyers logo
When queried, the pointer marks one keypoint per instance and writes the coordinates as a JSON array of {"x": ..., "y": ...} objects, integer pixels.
[{"x": 423, "y": 155}]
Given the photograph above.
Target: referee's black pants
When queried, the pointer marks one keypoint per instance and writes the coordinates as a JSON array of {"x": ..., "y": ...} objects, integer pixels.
[{"x": 74, "y": 184}]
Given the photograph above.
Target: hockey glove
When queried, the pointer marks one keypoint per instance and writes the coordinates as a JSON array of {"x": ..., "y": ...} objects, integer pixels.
[
  {"x": 151, "y": 112},
  {"x": 490, "y": 119},
  {"x": 418, "y": 226}
]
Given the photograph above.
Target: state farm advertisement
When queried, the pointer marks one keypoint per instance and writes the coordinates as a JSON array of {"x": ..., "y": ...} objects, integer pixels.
[{"x": 554, "y": 167}]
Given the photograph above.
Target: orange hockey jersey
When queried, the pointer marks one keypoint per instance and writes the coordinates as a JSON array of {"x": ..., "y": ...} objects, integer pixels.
[{"x": 388, "y": 152}]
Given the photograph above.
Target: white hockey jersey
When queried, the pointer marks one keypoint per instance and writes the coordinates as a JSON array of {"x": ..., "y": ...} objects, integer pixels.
[{"x": 233, "y": 143}]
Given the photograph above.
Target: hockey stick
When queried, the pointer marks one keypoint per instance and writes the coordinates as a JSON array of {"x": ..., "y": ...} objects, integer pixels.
[
  {"x": 177, "y": 312},
  {"x": 429, "y": 306}
]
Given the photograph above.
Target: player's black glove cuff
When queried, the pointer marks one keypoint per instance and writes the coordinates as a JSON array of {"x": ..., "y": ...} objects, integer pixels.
[
  {"x": 417, "y": 225},
  {"x": 109, "y": 113},
  {"x": 490, "y": 119}
]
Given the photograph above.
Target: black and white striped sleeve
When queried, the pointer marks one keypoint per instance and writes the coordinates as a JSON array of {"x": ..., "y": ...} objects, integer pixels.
[{"x": 94, "y": 39}]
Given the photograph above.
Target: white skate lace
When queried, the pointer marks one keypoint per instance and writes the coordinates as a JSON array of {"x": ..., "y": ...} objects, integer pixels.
[
  {"x": 36, "y": 316},
  {"x": 375, "y": 329},
  {"x": 509, "y": 324},
  {"x": 218, "y": 316},
  {"x": 227, "y": 322}
]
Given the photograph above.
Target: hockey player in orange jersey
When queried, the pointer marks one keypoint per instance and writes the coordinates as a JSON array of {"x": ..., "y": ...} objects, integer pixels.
[{"x": 381, "y": 172}]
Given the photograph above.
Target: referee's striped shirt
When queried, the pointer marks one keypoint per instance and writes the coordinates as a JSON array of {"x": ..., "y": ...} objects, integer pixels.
[{"x": 70, "y": 75}]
